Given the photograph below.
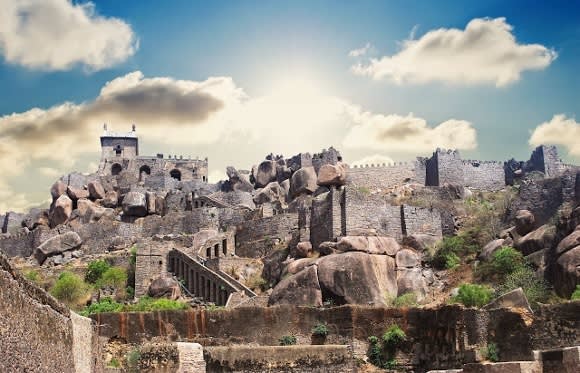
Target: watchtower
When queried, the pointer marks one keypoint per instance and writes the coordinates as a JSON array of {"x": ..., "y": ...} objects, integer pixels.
[{"x": 121, "y": 145}]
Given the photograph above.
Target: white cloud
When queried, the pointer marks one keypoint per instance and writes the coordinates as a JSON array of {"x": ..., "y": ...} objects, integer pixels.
[
  {"x": 57, "y": 35},
  {"x": 486, "y": 52},
  {"x": 408, "y": 134},
  {"x": 360, "y": 51},
  {"x": 376, "y": 159},
  {"x": 560, "y": 130}
]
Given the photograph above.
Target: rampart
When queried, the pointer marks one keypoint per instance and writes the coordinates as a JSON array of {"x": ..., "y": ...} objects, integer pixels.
[
  {"x": 438, "y": 338},
  {"x": 256, "y": 238},
  {"x": 38, "y": 334},
  {"x": 381, "y": 177}
]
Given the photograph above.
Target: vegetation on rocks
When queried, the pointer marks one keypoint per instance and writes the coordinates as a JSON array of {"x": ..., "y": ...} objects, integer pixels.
[
  {"x": 473, "y": 295},
  {"x": 576, "y": 293},
  {"x": 145, "y": 304},
  {"x": 287, "y": 340},
  {"x": 70, "y": 289}
]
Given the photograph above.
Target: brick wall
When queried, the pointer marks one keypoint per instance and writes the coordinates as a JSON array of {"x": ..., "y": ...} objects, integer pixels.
[{"x": 256, "y": 238}]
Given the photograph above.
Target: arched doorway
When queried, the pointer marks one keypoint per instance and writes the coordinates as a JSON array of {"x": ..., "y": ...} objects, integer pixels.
[
  {"x": 144, "y": 171},
  {"x": 116, "y": 169},
  {"x": 176, "y": 174}
]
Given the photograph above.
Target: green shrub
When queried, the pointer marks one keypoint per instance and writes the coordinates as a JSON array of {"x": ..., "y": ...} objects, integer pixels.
[
  {"x": 394, "y": 336},
  {"x": 95, "y": 270},
  {"x": 507, "y": 260},
  {"x": 114, "y": 363},
  {"x": 451, "y": 260},
  {"x": 576, "y": 293},
  {"x": 375, "y": 351},
  {"x": 115, "y": 277},
  {"x": 146, "y": 304},
  {"x": 491, "y": 352},
  {"x": 451, "y": 249},
  {"x": 133, "y": 358},
  {"x": 287, "y": 340},
  {"x": 473, "y": 295},
  {"x": 104, "y": 305},
  {"x": 391, "y": 364},
  {"x": 69, "y": 288},
  {"x": 320, "y": 330},
  {"x": 534, "y": 287},
  {"x": 405, "y": 300}
]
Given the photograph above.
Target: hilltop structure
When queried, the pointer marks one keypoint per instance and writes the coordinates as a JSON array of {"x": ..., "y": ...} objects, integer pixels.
[
  {"x": 304, "y": 230},
  {"x": 120, "y": 153}
]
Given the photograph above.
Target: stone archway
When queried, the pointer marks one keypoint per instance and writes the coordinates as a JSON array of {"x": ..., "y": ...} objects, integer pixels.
[
  {"x": 116, "y": 169},
  {"x": 144, "y": 171},
  {"x": 176, "y": 174}
]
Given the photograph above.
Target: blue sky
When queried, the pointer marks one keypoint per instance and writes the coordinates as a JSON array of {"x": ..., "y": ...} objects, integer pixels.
[{"x": 284, "y": 61}]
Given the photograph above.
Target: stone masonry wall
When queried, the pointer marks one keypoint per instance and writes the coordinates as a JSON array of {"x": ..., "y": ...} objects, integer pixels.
[
  {"x": 364, "y": 211},
  {"x": 36, "y": 332},
  {"x": 483, "y": 175},
  {"x": 421, "y": 220},
  {"x": 256, "y": 238},
  {"x": 438, "y": 338},
  {"x": 381, "y": 177},
  {"x": 284, "y": 359}
]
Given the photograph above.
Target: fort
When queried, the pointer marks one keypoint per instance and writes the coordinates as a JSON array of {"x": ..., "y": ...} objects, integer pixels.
[{"x": 293, "y": 242}]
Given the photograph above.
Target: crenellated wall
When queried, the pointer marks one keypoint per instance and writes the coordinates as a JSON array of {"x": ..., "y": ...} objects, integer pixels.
[{"x": 381, "y": 177}]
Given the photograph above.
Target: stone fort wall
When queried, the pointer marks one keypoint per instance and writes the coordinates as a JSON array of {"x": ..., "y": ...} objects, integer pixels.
[
  {"x": 38, "y": 334},
  {"x": 439, "y": 338},
  {"x": 381, "y": 177}
]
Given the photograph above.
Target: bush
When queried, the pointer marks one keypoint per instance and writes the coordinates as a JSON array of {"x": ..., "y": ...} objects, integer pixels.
[
  {"x": 491, "y": 352},
  {"x": 405, "y": 300},
  {"x": 104, "y": 305},
  {"x": 95, "y": 270},
  {"x": 394, "y": 336},
  {"x": 450, "y": 250},
  {"x": 535, "y": 288},
  {"x": 115, "y": 277},
  {"x": 391, "y": 364},
  {"x": 69, "y": 288},
  {"x": 146, "y": 304},
  {"x": 576, "y": 293},
  {"x": 375, "y": 352},
  {"x": 133, "y": 358},
  {"x": 507, "y": 260},
  {"x": 320, "y": 330},
  {"x": 287, "y": 340},
  {"x": 473, "y": 295}
]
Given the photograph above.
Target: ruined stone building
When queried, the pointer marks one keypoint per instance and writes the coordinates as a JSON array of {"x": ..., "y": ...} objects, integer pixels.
[{"x": 120, "y": 153}]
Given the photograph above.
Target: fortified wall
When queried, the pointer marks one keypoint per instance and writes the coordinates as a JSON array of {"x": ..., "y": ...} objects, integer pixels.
[
  {"x": 349, "y": 211},
  {"x": 40, "y": 334},
  {"x": 447, "y": 166},
  {"x": 438, "y": 338}
]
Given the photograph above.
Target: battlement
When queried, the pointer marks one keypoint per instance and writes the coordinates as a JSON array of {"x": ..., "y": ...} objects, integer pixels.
[
  {"x": 383, "y": 165},
  {"x": 476, "y": 163}
]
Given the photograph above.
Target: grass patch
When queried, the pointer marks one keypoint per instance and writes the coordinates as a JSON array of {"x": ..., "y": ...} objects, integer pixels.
[
  {"x": 70, "y": 289},
  {"x": 287, "y": 340},
  {"x": 576, "y": 293},
  {"x": 405, "y": 300}
]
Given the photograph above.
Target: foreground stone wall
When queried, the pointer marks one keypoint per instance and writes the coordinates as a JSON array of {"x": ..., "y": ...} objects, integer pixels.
[
  {"x": 38, "y": 334},
  {"x": 284, "y": 359},
  {"x": 440, "y": 338}
]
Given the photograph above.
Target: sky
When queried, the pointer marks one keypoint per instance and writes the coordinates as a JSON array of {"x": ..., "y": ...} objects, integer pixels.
[{"x": 233, "y": 81}]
